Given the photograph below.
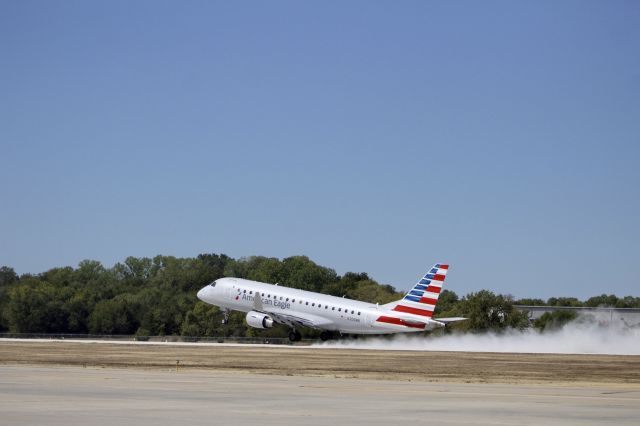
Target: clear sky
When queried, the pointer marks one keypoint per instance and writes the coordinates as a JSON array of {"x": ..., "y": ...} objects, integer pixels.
[{"x": 500, "y": 137}]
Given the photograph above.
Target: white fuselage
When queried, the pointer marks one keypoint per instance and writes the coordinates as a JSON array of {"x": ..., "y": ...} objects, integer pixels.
[{"x": 323, "y": 311}]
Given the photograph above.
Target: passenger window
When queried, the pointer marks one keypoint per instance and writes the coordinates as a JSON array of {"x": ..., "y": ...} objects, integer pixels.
[
  {"x": 326, "y": 306},
  {"x": 339, "y": 309},
  {"x": 313, "y": 304},
  {"x": 293, "y": 300},
  {"x": 352, "y": 312},
  {"x": 245, "y": 291},
  {"x": 251, "y": 292},
  {"x": 287, "y": 299},
  {"x": 358, "y": 312},
  {"x": 306, "y": 303},
  {"x": 333, "y": 308}
]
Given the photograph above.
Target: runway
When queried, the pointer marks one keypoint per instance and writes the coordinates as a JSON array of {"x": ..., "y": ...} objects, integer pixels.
[{"x": 105, "y": 396}]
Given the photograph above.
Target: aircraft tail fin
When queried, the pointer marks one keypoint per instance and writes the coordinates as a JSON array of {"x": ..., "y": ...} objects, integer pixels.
[{"x": 422, "y": 298}]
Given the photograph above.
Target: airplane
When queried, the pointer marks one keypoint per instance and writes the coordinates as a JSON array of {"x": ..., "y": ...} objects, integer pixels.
[{"x": 269, "y": 304}]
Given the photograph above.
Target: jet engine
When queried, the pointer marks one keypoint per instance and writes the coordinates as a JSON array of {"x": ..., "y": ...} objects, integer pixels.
[{"x": 259, "y": 320}]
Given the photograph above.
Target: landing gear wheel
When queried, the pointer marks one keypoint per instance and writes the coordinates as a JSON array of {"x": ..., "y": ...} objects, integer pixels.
[
  {"x": 326, "y": 335},
  {"x": 225, "y": 316},
  {"x": 294, "y": 336}
]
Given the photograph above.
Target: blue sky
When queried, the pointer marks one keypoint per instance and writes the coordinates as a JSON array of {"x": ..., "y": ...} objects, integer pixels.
[{"x": 500, "y": 137}]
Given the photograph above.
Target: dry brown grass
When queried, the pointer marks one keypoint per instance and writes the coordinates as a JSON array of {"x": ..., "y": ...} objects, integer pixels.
[{"x": 376, "y": 364}]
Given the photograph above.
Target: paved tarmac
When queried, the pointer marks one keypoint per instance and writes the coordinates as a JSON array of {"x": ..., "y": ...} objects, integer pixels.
[{"x": 106, "y": 396}]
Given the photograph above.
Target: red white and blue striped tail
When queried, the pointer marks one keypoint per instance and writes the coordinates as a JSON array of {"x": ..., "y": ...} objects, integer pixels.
[{"x": 422, "y": 298}]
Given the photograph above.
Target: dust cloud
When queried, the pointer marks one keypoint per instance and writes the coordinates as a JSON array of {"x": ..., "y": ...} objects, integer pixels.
[{"x": 592, "y": 334}]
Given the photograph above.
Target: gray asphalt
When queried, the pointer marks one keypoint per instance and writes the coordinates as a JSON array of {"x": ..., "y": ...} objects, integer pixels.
[{"x": 74, "y": 396}]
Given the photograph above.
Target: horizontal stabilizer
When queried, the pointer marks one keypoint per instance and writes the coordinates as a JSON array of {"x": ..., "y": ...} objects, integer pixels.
[{"x": 450, "y": 320}]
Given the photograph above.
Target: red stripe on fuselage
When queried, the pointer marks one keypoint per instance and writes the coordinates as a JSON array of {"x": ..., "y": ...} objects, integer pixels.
[
  {"x": 415, "y": 311},
  {"x": 398, "y": 321}
]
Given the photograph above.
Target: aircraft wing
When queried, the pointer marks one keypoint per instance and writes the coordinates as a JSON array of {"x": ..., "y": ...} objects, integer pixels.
[
  {"x": 294, "y": 320},
  {"x": 298, "y": 320}
]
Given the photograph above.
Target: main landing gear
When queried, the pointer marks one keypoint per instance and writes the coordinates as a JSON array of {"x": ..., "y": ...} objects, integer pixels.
[
  {"x": 326, "y": 335},
  {"x": 295, "y": 336},
  {"x": 225, "y": 316}
]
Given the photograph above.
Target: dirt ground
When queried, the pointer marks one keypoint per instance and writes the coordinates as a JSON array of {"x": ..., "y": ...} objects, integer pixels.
[{"x": 308, "y": 361}]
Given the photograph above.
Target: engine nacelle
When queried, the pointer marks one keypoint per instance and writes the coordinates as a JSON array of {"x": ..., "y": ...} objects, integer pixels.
[{"x": 259, "y": 320}]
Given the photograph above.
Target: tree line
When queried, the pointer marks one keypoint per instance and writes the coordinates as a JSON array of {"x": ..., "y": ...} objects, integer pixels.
[{"x": 157, "y": 296}]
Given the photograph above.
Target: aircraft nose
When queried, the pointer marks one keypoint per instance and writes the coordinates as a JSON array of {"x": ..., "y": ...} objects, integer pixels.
[{"x": 201, "y": 293}]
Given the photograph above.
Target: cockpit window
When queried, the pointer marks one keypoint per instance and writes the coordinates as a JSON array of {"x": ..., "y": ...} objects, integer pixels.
[{"x": 213, "y": 284}]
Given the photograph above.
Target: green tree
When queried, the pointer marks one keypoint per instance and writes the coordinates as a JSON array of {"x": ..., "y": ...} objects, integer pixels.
[
  {"x": 371, "y": 291},
  {"x": 88, "y": 271},
  {"x": 113, "y": 316},
  {"x": 628, "y": 302},
  {"x": 554, "y": 320},
  {"x": 78, "y": 308},
  {"x": 446, "y": 302},
  {"x": 202, "y": 320},
  {"x": 265, "y": 269},
  {"x": 158, "y": 296},
  {"x": 603, "y": 300},
  {"x": 7, "y": 276},
  {"x": 37, "y": 307},
  {"x": 135, "y": 271},
  {"x": 487, "y": 311},
  {"x": 564, "y": 301},
  {"x": 211, "y": 267},
  {"x": 59, "y": 277},
  {"x": 300, "y": 272},
  {"x": 530, "y": 302}
]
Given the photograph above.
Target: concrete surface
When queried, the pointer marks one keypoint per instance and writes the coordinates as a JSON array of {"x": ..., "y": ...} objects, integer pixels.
[{"x": 107, "y": 396}]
